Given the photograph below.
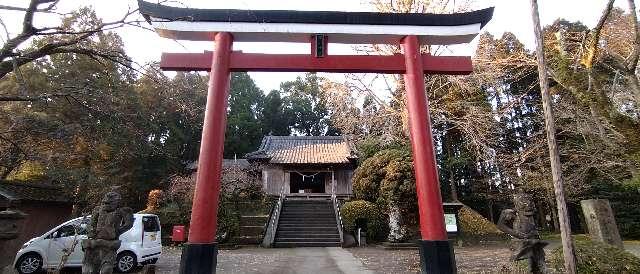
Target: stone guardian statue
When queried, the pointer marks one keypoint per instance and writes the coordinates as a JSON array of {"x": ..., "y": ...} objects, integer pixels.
[
  {"x": 520, "y": 224},
  {"x": 108, "y": 222}
]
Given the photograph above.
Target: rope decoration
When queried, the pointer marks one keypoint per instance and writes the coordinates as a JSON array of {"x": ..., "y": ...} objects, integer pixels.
[{"x": 313, "y": 176}]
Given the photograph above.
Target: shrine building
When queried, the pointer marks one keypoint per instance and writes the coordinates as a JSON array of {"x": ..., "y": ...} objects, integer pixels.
[{"x": 303, "y": 165}]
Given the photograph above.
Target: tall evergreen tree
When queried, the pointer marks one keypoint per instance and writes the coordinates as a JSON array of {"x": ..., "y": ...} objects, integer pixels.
[
  {"x": 244, "y": 130},
  {"x": 275, "y": 119},
  {"x": 307, "y": 107}
]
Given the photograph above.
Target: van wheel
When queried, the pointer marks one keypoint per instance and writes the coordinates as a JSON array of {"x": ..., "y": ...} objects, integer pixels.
[
  {"x": 29, "y": 263},
  {"x": 126, "y": 262}
]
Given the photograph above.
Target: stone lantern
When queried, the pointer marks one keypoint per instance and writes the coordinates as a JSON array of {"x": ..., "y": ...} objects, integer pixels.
[{"x": 9, "y": 224}]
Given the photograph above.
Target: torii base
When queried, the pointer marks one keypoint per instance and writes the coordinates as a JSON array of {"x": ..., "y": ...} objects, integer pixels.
[
  {"x": 199, "y": 258},
  {"x": 437, "y": 257}
]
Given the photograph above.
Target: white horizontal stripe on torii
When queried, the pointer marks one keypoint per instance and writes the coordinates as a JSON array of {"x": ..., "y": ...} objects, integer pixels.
[{"x": 300, "y": 33}]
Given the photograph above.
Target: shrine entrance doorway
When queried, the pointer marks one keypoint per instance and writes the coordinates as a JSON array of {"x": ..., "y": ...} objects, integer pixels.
[{"x": 307, "y": 182}]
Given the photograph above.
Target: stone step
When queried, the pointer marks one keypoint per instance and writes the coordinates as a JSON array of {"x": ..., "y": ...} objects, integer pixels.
[
  {"x": 298, "y": 234},
  {"x": 253, "y": 220},
  {"x": 328, "y": 203},
  {"x": 307, "y": 215},
  {"x": 324, "y": 228},
  {"x": 250, "y": 230},
  {"x": 303, "y": 224},
  {"x": 307, "y": 208},
  {"x": 248, "y": 240},
  {"x": 309, "y": 219},
  {"x": 306, "y": 244},
  {"x": 301, "y": 201},
  {"x": 299, "y": 239},
  {"x": 308, "y": 211}
]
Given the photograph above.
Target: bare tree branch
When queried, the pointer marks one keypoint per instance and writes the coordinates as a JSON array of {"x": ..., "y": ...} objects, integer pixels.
[
  {"x": 10, "y": 58},
  {"x": 592, "y": 47},
  {"x": 632, "y": 61}
]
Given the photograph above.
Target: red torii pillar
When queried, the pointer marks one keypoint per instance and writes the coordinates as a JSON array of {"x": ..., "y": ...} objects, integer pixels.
[
  {"x": 435, "y": 250},
  {"x": 204, "y": 219}
]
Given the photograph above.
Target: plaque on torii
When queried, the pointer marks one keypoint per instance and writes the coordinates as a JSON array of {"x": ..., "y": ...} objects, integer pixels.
[{"x": 318, "y": 29}]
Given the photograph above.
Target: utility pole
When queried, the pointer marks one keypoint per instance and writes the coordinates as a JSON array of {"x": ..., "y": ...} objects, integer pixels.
[{"x": 556, "y": 168}]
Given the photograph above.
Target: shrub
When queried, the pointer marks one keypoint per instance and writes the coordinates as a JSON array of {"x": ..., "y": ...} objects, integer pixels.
[
  {"x": 387, "y": 179},
  {"x": 368, "y": 176},
  {"x": 228, "y": 222},
  {"x": 240, "y": 194},
  {"x": 368, "y": 147},
  {"x": 353, "y": 210},
  {"x": 388, "y": 166},
  {"x": 474, "y": 227},
  {"x": 596, "y": 257}
]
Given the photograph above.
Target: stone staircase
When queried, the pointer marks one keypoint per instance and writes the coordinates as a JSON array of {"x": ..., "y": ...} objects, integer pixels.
[
  {"x": 251, "y": 229},
  {"x": 307, "y": 223}
]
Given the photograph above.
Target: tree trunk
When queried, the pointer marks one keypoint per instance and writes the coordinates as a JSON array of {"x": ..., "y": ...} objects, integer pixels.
[
  {"x": 491, "y": 218},
  {"x": 554, "y": 214},
  {"x": 395, "y": 229},
  {"x": 556, "y": 168},
  {"x": 454, "y": 186}
]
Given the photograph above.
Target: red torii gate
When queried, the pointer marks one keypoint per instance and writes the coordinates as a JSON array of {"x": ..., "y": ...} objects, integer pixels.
[{"x": 316, "y": 28}]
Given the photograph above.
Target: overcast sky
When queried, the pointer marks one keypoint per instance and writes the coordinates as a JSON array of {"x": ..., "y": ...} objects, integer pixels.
[{"x": 145, "y": 46}]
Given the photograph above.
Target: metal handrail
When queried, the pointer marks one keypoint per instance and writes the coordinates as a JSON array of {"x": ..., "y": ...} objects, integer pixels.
[
  {"x": 272, "y": 226},
  {"x": 336, "y": 209}
]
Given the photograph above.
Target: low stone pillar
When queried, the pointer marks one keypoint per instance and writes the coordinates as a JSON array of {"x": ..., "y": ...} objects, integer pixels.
[
  {"x": 9, "y": 230},
  {"x": 600, "y": 221}
]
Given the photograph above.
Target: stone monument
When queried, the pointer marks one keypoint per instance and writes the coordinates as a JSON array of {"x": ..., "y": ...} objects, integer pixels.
[
  {"x": 9, "y": 230},
  {"x": 108, "y": 222},
  {"x": 601, "y": 222},
  {"x": 520, "y": 224}
]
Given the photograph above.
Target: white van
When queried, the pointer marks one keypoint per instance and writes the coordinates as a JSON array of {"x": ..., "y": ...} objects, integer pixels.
[{"x": 140, "y": 245}]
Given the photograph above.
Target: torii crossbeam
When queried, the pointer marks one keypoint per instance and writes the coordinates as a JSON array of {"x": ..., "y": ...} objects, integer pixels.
[{"x": 316, "y": 28}]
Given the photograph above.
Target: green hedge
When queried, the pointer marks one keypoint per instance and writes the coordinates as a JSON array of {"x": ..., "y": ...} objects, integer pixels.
[
  {"x": 359, "y": 209},
  {"x": 595, "y": 257}
]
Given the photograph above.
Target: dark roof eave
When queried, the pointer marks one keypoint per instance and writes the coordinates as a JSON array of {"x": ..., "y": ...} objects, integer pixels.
[{"x": 149, "y": 10}]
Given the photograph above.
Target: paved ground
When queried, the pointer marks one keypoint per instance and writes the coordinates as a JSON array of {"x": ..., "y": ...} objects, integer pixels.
[
  {"x": 373, "y": 259},
  {"x": 481, "y": 259},
  {"x": 275, "y": 260},
  {"x": 314, "y": 260}
]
